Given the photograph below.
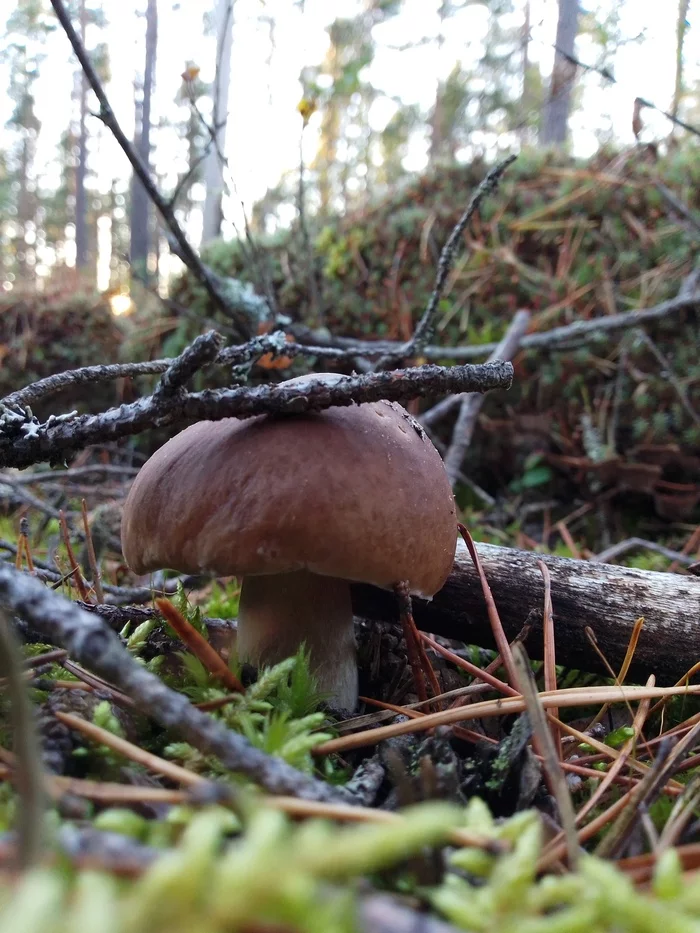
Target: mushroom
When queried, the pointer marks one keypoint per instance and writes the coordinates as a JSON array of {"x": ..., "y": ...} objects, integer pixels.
[{"x": 297, "y": 506}]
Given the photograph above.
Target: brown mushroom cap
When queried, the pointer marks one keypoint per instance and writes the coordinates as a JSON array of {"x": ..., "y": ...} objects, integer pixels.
[{"x": 358, "y": 493}]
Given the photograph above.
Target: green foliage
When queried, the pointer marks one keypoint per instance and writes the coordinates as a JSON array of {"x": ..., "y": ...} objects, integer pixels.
[
  {"x": 535, "y": 473},
  {"x": 277, "y": 713},
  {"x": 304, "y": 878}
]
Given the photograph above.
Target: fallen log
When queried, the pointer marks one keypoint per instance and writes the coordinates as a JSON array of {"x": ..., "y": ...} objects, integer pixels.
[{"x": 606, "y": 598}]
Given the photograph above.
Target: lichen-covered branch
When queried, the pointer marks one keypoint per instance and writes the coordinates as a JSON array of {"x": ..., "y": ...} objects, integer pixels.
[
  {"x": 52, "y": 385},
  {"x": 246, "y": 353},
  {"x": 204, "y": 349},
  {"x": 20, "y": 448},
  {"x": 91, "y": 642}
]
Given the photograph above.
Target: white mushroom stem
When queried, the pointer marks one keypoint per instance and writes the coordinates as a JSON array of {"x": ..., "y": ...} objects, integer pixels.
[{"x": 278, "y": 612}]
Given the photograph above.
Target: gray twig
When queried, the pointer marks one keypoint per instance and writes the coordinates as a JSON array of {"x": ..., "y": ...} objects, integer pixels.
[
  {"x": 91, "y": 642},
  {"x": 667, "y": 371},
  {"x": 99, "y": 470},
  {"x": 55, "y": 442},
  {"x": 52, "y": 385},
  {"x": 558, "y": 338},
  {"x": 255, "y": 348},
  {"x": 426, "y": 325},
  {"x": 203, "y": 350},
  {"x": 631, "y": 544},
  {"x": 470, "y": 403}
]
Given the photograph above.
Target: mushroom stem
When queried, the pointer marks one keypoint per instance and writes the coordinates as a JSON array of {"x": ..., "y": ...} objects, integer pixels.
[{"x": 279, "y": 611}]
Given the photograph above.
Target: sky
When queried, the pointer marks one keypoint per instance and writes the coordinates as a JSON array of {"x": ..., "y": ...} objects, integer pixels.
[{"x": 264, "y": 126}]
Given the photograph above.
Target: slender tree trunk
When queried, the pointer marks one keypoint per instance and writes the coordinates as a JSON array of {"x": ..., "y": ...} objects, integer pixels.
[
  {"x": 525, "y": 101},
  {"x": 681, "y": 30},
  {"x": 140, "y": 204},
  {"x": 25, "y": 213},
  {"x": 556, "y": 114},
  {"x": 213, "y": 164},
  {"x": 81, "y": 235},
  {"x": 437, "y": 117}
]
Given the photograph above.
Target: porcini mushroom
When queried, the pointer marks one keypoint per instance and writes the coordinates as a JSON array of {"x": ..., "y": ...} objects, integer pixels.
[{"x": 297, "y": 506}]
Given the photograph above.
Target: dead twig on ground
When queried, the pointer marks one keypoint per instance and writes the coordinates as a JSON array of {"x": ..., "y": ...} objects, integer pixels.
[
  {"x": 605, "y": 597},
  {"x": 93, "y": 644},
  {"x": 470, "y": 403}
]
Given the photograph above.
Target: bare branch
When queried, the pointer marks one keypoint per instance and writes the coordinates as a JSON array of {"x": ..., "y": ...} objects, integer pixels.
[
  {"x": 52, "y": 385},
  {"x": 470, "y": 403},
  {"x": 558, "y": 338},
  {"x": 249, "y": 352},
  {"x": 426, "y": 325},
  {"x": 21, "y": 448}
]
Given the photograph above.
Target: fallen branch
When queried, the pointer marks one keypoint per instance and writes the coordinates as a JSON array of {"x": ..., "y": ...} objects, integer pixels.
[
  {"x": 90, "y": 641},
  {"x": 28, "y": 442},
  {"x": 470, "y": 403},
  {"x": 604, "y": 597}
]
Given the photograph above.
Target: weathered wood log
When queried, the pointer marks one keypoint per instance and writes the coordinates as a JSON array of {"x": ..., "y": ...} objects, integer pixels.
[{"x": 607, "y": 598}]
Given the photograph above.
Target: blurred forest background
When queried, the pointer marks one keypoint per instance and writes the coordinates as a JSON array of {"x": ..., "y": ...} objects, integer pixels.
[{"x": 322, "y": 152}]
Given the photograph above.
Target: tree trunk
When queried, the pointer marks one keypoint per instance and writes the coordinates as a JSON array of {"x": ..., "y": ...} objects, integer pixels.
[
  {"x": 558, "y": 105},
  {"x": 681, "y": 30},
  {"x": 605, "y": 598},
  {"x": 525, "y": 101},
  {"x": 213, "y": 166},
  {"x": 140, "y": 203},
  {"x": 436, "y": 121},
  {"x": 81, "y": 236}
]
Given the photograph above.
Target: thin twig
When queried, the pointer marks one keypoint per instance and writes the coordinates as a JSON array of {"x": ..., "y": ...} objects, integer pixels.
[
  {"x": 426, "y": 325},
  {"x": 203, "y": 350},
  {"x": 54, "y": 442},
  {"x": 238, "y": 313},
  {"x": 199, "y": 646},
  {"x": 549, "y": 654},
  {"x": 75, "y": 566},
  {"x": 504, "y": 706},
  {"x": 558, "y": 338},
  {"x": 92, "y": 558},
  {"x": 494, "y": 620}
]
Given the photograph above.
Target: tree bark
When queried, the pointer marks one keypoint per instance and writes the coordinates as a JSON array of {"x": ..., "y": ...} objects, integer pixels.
[
  {"x": 140, "y": 202},
  {"x": 604, "y": 597},
  {"x": 213, "y": 167},
  {"x": 558, "y": 105}
]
